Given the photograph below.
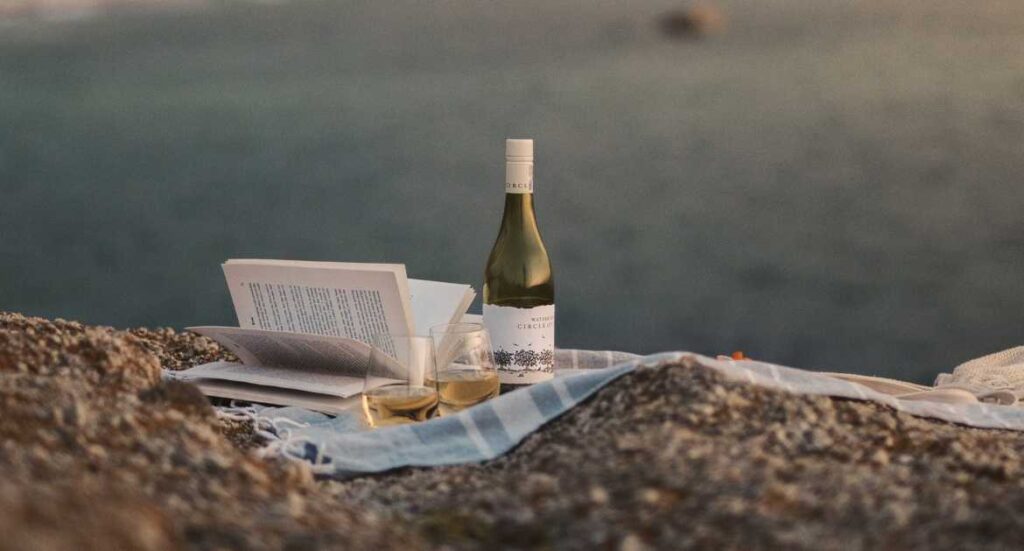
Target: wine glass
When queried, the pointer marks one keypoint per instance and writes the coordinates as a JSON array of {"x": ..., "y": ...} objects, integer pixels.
[
  {"x": 466, "y": 374},
  {"x": 401, "y": 381}
]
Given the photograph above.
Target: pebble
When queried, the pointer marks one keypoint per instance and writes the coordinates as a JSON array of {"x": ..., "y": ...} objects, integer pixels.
[{"x": 632, "y": 542}]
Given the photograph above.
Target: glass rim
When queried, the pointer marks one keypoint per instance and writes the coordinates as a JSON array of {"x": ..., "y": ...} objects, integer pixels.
[{"x": 459, "y": 327}]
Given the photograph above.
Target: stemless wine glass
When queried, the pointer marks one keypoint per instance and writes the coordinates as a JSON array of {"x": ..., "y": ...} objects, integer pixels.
[
  {"x": 466, "y": 373},
  {"x": 401, "y": 381}
]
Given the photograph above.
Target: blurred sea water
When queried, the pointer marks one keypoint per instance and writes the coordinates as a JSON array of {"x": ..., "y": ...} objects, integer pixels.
[{"x": 826, "y": 184}]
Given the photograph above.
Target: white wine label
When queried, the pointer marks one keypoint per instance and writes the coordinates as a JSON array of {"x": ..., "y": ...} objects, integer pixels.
[
  {"x": 518, "y": 177},
  {"x": 523, "y": 340}
]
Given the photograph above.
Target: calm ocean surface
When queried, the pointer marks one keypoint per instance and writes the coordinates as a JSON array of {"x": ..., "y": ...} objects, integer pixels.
[{"x": 826, "y": 184}]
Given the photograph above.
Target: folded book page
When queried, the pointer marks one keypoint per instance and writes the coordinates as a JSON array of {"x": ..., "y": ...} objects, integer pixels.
[
  {"x": 319, "y": 382},
  {"x": 330, "y": 405},
  {"x": 312, "y": 363},
  {"x": 295, "y": 351}
]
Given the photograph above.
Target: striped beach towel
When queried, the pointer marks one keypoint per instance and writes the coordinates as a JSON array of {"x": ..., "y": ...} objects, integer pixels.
[{"x": 341, "y": 447}]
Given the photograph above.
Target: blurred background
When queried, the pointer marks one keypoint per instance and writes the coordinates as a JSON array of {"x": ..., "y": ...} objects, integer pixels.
[{"x": 829, "y": 184}]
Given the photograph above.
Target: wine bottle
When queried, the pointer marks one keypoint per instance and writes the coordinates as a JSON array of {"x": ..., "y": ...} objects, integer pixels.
[{"x": 519, "y": 290}]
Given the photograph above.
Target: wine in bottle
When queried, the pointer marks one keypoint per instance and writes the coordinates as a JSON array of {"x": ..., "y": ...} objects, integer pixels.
[{"x": 519, "y": 291}]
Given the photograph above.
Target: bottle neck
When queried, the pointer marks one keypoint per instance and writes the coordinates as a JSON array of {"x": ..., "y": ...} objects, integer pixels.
[
  {"x": 519, "y": 214},
  {"x": 518, "y": 177},
  {"x": 519, "y": 211}
]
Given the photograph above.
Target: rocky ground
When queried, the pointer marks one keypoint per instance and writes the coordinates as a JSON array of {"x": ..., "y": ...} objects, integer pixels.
[{"x": 98, "y": 453}]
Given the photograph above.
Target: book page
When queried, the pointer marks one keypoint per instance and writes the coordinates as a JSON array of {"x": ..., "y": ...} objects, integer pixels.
[
  {"x": 294, "y": 351},
  {"x": 436, "y": 303},
  {"x": 354, "y": 301},
  {"x": 324, "y": 382},
  {"x": 320, "y": 382},
  {"x": 280, "y": 397}
]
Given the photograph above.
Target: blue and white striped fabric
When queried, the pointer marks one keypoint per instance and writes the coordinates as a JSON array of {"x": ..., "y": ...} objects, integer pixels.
[{"x": 341, "y": 447}]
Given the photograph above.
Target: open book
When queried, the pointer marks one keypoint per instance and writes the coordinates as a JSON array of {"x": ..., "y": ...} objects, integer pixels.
[{"x": 304, "y": 328}]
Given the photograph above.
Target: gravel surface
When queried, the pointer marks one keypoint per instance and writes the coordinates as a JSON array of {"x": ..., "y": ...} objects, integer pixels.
[{"x": 98, "y": 452}]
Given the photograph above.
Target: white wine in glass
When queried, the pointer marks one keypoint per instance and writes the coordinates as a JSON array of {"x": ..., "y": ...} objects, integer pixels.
[
  {"x": 458, "y": 389},
  {"x": 401, "y": 386},
  {"x": 465, "y": 368},
  {"x": 399, "y": 404}
]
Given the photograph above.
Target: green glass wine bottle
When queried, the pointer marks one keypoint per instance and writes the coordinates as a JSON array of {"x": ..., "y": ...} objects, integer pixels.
[{"x": 519, "y": 290}]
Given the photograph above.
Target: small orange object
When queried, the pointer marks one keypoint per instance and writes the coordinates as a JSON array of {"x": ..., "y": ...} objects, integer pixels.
[{"x": 739, "y": 355}]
